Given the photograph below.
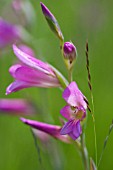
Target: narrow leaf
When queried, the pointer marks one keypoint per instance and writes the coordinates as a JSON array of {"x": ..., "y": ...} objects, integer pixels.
[{"x": 105, "y": 142}]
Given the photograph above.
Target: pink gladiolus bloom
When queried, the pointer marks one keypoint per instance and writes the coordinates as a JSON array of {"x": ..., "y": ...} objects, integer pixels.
[
  {"x": 74, "y": 111},
  {"x": 52, "y": 130},
  {"x": 16, "y": 107},
  {"x": 33, "y": 72},
  {"x": 9, "y": 33}
]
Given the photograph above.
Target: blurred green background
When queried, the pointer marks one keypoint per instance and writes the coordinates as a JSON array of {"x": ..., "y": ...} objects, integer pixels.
[{"x": 79, "y": 21}]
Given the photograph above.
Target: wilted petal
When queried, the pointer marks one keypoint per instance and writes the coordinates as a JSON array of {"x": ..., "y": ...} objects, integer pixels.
[
  {"x": 31, "y": 61},
  {"x": 52, "y": 130},
  {"x": 73, "y": 96},
  {"x": 16, "y": 106}
]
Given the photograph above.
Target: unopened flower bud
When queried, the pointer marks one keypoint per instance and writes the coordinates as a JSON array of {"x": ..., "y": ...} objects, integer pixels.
[
  {"x": 52, "y": 22},
  {"x": 69, "y": 53}
]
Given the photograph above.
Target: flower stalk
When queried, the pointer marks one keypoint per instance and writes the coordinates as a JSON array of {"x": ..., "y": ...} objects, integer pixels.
[{"x": 84, "y": 152}]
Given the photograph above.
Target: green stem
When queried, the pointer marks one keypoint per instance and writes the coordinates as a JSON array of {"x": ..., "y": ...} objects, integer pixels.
[
  {"x": 91, "y": 93},
  {"x": 84, "y": 152},
  {"x": 81, "y": 147},
  {"x": 70, "y": 76},
  {"x": 95, "y": 136}
]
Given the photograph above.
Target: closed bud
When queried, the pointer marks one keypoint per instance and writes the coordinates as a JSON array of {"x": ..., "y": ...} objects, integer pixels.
[
  {"x": 52, "y": 22},
  {"x": 69, "y": 53}
]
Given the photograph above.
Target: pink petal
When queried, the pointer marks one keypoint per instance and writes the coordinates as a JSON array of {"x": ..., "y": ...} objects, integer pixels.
[
  {"x": 52, "y": 130},
  {"x": 67, "y": 128},
  {"x": 72, "y": 128},
  {"x": 73, "y": 96},
  {"x": 77, "y": 130},
  {"x": 31, "y": 61},
  {"x": 30, "y": 75},
  {"x": 17, "y": 85},
  {"x": 66, "y": 112},
  {"x": 16, "y": 106},
  {"x": 8, "y": 33},
  {"x": 26, "y": 50},
  {"x": 13, "y": 69}
]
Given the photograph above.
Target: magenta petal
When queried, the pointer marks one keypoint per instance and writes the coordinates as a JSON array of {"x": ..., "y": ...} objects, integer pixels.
[
  {"x": 8, "y": 33},
  {"x": 66, "y": 112},
  {"x": 73, "y": 96},
  {"x": 27, "y": 50},
  {"x": 31, "y": 61},
  {"x": 77, "y": 130},
  {"x": 17, "y": 85},
  {"x": 16, "y": 106},
  {"x": 72, "y": 128},
  {"x": 30, "y": 75},
  {"x": 67, "y": 128},
  {"x": 52, "y": 130},
  {"x": 13, "y": 69}
]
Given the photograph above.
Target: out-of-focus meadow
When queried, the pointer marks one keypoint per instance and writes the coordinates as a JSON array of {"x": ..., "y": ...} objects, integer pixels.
[{"x": 79, "y": 21}]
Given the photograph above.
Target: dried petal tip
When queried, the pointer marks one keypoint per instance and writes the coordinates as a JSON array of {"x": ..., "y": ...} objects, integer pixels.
[
  {"x": 69, "y": 53},
  {"x": 52, "y": 22}
]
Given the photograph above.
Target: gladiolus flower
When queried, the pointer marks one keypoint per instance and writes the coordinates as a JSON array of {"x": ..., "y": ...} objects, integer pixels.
[
  {"x": 74, "y": 111},
  {"x": 16, "y": 107},
  {"x": 52, "y": 130},
  {"x": 33, "y": 72},
  {"x": 9, "y": 33}
]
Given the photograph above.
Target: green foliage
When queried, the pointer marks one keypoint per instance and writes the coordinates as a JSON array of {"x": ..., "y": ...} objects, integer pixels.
[{"x": 79, "y": 20}]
